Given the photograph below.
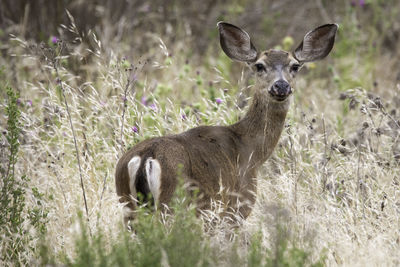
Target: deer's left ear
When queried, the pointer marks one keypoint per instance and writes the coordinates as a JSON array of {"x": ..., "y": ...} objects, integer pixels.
[{"x": 317, "y": 43}]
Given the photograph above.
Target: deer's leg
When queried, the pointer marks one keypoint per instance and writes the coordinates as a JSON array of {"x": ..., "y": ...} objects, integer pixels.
[
  {"x": 248, "y": 196},
  {"x": 170, "y": 175},
  {"x": 163, "y": 173}
]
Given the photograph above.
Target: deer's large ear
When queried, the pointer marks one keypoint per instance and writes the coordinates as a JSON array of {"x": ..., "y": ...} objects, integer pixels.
[
  {"x": 317, "y": 43},
  {"x": 236, "y": 43}
]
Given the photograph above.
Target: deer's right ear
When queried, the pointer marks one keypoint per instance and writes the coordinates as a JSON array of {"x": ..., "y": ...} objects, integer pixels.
[{"x": 236, "y": 43}]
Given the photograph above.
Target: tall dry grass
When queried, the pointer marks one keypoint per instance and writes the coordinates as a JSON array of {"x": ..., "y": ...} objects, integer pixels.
[{"x": 331, "y": 189}]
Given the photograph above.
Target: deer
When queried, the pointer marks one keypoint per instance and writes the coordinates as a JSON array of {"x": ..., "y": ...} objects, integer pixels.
[{"x": 217, "y": 159}]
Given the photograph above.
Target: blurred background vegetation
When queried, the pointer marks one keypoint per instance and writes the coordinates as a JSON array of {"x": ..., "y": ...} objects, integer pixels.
[
  {"x": 370, "y": 28},
  {"x": 133, "y": 22}
]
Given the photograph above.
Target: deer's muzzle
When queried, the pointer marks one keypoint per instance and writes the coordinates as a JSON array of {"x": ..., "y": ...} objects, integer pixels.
[{"x": 280, "y": 90}]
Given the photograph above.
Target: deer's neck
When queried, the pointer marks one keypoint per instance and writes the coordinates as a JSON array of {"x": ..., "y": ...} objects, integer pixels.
[{"x": 261, "y": 128}]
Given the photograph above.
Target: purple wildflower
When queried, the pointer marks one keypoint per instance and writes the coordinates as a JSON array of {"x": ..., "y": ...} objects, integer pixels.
[
  {"x": 29, "y": 103},
  {"x": 54, "y": 39},
  {"x": 353, "y": 3},
  {"x": 134, "y": 129},
  {"x": 183, "y": 116},
  {"x": 133, "y": 76},
  {"x": 18, "y": 101},
  {"x": 144, "y": 100},
  {"x": 361, "y": 2},
  {"x": 218, "y": 100},
  {"x": 153, "y": 107}
]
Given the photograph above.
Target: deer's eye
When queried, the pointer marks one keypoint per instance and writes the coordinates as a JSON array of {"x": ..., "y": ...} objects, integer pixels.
[
  {"x": 295, "y": 67},
  {"x": 260, "y": 67}
]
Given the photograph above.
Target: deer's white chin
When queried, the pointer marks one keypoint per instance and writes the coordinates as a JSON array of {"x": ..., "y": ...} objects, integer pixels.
[
  {"x": 282, "y": 100},
  {"x": 280, "y": 105}
]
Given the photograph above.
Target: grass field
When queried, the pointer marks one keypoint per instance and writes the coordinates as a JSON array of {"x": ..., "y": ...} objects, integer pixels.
[{"x": 329, "y": 195}]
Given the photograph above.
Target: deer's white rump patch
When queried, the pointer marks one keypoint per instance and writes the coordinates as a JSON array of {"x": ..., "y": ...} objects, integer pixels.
[
  {"x": 133, "y": 167},
  {"x": 153, "y": 176}
]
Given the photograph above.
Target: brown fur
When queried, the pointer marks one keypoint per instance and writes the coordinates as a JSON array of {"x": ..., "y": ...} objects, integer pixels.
[
  {"x": 213, "y": 155},
  {"x": 221, "y": 161}
]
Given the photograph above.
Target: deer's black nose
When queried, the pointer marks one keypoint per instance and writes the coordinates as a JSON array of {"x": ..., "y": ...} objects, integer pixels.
[{"x": 280, "y": 90}]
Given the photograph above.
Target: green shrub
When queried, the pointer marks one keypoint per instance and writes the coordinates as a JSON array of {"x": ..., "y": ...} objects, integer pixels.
[{"x": 14, "y": 235}]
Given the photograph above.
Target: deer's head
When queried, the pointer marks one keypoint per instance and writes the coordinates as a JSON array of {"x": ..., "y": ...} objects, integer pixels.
[{"x": 276, "y": 69}]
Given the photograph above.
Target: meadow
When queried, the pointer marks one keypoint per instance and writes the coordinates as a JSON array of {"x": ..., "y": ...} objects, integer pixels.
[{"x": 83, "y": 81}]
